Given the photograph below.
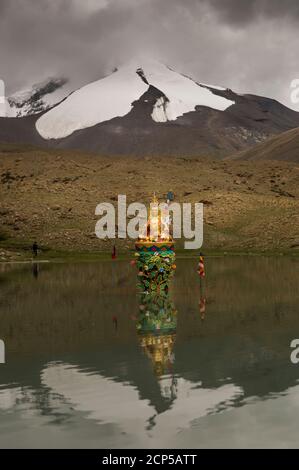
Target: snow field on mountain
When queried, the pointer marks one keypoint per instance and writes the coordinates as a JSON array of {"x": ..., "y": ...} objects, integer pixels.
[
  {"x": 183, "y": 94},
  {"x": 114, "y": 95},
  {"x": 94, "y": 103}
]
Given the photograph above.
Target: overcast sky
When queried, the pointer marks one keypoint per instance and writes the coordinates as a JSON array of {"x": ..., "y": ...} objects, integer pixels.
[{"x": 248, "y": 45}]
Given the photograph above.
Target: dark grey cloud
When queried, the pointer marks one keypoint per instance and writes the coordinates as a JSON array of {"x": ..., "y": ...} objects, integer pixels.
[
  {"x": 248, "y": 45},
  {"x": 240, "y": 12}
]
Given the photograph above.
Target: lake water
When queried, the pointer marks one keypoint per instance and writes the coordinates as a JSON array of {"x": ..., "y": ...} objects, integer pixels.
[{"x": 80, "y": 374}]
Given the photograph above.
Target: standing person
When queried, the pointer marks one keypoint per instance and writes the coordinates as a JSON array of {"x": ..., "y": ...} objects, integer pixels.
[
  {"x": 201, "y": 266},
  {"x": 35, "y": 249},
  {"x": 170, "y": 197},
  {"x": 114, "y": 252}
]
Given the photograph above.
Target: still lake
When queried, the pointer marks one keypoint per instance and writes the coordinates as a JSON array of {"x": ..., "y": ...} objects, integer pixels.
[{"x": 79, "y": 373}]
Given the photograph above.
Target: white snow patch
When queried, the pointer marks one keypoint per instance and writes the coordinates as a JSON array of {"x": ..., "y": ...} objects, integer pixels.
[
  {"x": 216, "y": 87},
  {"x": 58, "y": 95},
  {"x": 159, "y": 113},
  {"x": 97, "y": 102},
  {"x": 183, "y": 93}
]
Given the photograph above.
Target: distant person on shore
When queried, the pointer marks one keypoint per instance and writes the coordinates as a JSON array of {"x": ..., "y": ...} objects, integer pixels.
[
  {"x": 113, "y": 255},
  {"x": 35, "y": 249},
  {"x": 170, "y": 197}
]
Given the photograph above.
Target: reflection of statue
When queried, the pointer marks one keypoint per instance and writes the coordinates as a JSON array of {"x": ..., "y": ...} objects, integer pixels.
[
  {"x": 156, "y": 322},
  {"x": 159, "y": 348},
  {"x": 156, "y": 313},
  {"x": 156, "y": 327}
]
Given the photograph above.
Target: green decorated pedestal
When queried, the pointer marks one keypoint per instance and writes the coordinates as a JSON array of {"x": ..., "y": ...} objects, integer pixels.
[{"x": 155, "y": 264}]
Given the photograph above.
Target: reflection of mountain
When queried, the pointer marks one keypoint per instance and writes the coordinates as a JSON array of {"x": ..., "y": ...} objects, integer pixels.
[
  {"x": 240, "y": 352},
  {"x": 205, "y": 379},
  {"x": 100, "y": 397}
]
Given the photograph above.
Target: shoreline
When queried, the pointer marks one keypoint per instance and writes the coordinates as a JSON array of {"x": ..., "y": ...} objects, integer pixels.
[{"x": 54, "y": 256}]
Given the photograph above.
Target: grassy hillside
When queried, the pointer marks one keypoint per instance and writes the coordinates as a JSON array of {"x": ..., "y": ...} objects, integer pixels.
[
  {"x": 284, "y": 147},
  {"x": 51, "y": 196}
]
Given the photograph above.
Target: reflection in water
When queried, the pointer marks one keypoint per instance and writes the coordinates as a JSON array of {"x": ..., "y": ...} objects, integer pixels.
[
  {"x": 202, "y": 299},
  {"x": 166, "y": 379},
  {"x": 202, "y": 274},
  {"x": 156, "y": 323},
  {"x": 35, "y": 270},
  {"x": 156, "y": 327}
]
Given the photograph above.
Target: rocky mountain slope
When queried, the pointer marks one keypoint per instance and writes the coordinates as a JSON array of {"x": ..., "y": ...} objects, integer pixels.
[
  {"x": 37, "y": 99},
  {"x": 147, "y": 109},
  {"x": 284, "y": 146}
]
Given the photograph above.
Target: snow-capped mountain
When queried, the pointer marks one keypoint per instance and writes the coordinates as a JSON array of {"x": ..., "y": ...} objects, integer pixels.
[
  {"x": 144, "y": 108},
  {"x": 114, "y": 96},
  {"x": 40, "y": 97}
]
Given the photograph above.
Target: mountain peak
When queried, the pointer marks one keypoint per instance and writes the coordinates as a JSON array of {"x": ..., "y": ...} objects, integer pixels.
[
  {"x": 40, "y": 97},
  {"x": 145, "y": 108},
  {"x": 114, "y": 95}
]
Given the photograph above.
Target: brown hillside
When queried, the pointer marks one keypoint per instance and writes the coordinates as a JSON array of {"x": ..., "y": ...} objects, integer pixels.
[{"x": 281, "y": 147}]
